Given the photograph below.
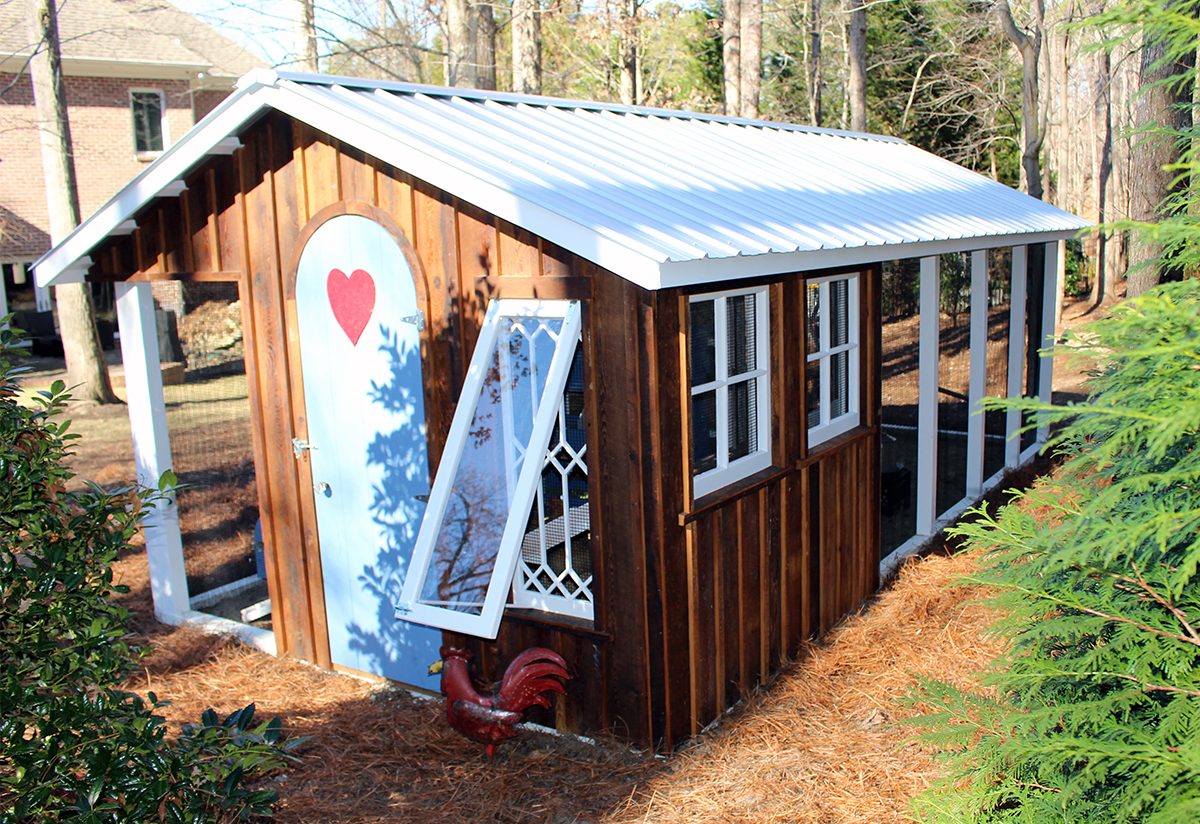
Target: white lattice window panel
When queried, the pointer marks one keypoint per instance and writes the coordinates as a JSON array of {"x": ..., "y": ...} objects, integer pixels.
[{"x": 554, "y": 573}]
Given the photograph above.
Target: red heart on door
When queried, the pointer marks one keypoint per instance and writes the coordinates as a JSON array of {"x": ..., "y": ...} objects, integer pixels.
[{"x": 352, "y": 300}]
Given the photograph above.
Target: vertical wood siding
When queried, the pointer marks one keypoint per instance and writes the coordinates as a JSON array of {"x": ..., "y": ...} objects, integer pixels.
[{"x": 693, "y": 608}]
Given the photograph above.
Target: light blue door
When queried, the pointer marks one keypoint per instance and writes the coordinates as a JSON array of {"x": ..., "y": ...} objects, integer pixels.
[{"x": 357, "y": 317}]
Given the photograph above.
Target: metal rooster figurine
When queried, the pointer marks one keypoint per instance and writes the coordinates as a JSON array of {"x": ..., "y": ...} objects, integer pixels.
[{"x": 489, "y": 719}]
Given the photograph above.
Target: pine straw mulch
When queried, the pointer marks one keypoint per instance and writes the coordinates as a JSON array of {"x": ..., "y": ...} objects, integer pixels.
[{"x": 818, "y": 745}]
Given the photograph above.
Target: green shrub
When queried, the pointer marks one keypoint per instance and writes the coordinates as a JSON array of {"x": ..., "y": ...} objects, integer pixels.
[
  {"x": 1093, "y": 714},
  {"x": 73, "y": 745}
]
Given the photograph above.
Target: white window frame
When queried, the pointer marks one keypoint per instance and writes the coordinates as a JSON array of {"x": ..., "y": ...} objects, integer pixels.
[
  {"x": 832, "y": 427},
  {"x": 163, "y": 122},
  {"x": 486, "y": 623},
  {"x": 727, "y": 472}
]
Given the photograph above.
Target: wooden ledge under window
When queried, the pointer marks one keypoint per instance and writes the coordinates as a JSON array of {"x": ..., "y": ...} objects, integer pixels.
[
  {"x": 729, "y": 494},
  {"x": 834, "y": 445},
  {"x": 562, "y": 623}
]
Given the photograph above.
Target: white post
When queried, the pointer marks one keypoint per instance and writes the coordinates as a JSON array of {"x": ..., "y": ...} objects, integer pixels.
[
  {"x": 1049, "y": 301},
  {"x": 151, "y": 446},
  {"x": 978, "y": 381},
  {"x": 1016, "y": 355},
  {"x": 927, "y": 398}
]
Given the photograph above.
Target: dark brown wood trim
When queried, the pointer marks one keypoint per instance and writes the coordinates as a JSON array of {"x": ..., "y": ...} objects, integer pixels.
[
  {"x": 735, "y": 492},
  {"x": 543, "y": 288},
  {"x": 559, "y": 623},
  {"x": 231, "y": 276},
  {"x": 833, "y": 446}
]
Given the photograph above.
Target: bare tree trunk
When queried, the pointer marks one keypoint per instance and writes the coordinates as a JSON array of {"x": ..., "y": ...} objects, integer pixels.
[
  {"x": 459, "y": 58},
  {"x": 856, "y": 54},
  {"x": 1162, "y": 118},
  {"x": 815, "y": 114},
  {"x": 87, "y": 371},
  {"x": 751, "y": 58},
  {"x": 731, "y": 56},
  {"x": 527, "y": 47},
  {"x": 485, "y": 45},
  {"x": 1102, "y": 170},
  {"x": 304, "y": 31},
  {"x": 631, "y": 93},
  {"x": 1029, "y": 46}
]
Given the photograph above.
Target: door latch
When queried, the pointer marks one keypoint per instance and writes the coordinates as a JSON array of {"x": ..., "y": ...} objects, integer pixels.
[{"x": 299, "y": 446}]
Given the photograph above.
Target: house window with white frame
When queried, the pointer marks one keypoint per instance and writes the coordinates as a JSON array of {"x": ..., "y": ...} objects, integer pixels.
[
  {"x": 729, "y": 380},
  {"x": 149, "y": 111},
  {"x": 832, "y": 354}
]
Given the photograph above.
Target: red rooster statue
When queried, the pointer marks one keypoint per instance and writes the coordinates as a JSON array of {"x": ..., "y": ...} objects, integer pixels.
[{"x": 489, "y": 719}]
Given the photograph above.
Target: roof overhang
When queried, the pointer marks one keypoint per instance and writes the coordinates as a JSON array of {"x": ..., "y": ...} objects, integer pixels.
[
  {"x": 103, "y": 67},
  {"x": 348, "y": 120}
]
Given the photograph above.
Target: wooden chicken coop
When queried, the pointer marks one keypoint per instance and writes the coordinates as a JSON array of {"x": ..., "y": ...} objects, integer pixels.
[{"x": 533, "y": 372}]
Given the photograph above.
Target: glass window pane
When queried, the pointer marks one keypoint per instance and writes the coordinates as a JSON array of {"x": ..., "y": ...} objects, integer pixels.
[
  {"x": 743, "y": 419},
  {"x": 839, "y": 385},
  {"x": 147, "y": 121},
  {"x": 812, "y": 338},
  {"x": 839, "y": 306},
  {"x": 703, "y": 332},
  {"x": 468, "y": 537},
  {"x": 704, "y": 432},
  {"x": 812, "y": 392},
  {"x": 740, "y": 320}
]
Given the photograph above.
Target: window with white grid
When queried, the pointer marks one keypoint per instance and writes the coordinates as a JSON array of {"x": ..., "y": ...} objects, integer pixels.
[
  {"x": 728, "y": 374},
  {"x": 831, "y": 346}
]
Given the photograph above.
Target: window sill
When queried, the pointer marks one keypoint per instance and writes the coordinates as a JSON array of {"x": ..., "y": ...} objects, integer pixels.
[
  {"x": 826, "y": 448},
  {"x": 147, "y": 157},
  {"x": 729, "y": 494},
  {"x": 562, "y": 623}
]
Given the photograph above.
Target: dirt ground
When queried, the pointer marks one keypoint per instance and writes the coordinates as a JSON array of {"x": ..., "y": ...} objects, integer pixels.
[{"x": 819, "y": 744}]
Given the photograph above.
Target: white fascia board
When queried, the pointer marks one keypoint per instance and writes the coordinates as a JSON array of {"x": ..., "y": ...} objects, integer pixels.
[
  {"x": 675, "y": 274},
  {"x": 639, "y": 266},
  {"x": 59, "y": 264}
]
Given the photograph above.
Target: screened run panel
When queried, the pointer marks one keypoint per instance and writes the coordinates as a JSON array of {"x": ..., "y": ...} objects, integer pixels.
[{"x": 476, "y": 521}]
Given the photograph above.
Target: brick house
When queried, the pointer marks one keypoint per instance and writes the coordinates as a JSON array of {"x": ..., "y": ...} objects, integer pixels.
[{"x": 139, "y": 74}]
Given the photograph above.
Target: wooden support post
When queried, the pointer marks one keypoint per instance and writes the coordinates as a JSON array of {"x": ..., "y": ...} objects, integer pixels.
[
  {"x": 1046, "y": 373},
  {"x": 927, "y": 400},
  {"x": 1016, "y": 355},
  {"x": 978, "y": 380},
  {"x": 151, "y": 446}
]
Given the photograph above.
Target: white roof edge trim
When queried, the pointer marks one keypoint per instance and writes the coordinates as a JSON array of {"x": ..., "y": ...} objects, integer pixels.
[
  {"x": 558, "y": 102},
  {"x": 57, "y": 265},
  {"x": 692, "y": 272}
]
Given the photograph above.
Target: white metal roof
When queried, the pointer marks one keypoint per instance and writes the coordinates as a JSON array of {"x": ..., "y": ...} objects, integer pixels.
[{"x": 663, "y": 198}]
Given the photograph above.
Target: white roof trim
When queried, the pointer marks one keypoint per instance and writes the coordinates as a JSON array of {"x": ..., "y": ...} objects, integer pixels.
[
  {"x": 59, "y": 265},
  {"x": 691, "y": 272}
]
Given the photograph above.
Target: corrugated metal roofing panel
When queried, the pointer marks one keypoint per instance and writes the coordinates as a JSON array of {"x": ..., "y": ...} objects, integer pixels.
[{"x": 660, "y": 197}]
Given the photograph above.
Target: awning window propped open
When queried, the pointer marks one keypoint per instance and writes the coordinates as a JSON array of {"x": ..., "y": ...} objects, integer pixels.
[{"x": 474, "y": 525}]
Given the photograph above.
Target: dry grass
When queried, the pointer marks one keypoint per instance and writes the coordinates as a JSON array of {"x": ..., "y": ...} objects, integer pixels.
[{"x": 818, "y": 745}]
